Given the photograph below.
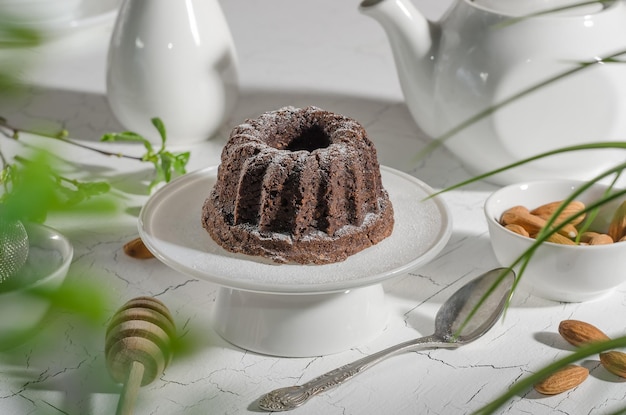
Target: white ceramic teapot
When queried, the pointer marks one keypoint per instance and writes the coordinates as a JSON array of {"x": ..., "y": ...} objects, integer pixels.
[{"x": 479, "y": 55}]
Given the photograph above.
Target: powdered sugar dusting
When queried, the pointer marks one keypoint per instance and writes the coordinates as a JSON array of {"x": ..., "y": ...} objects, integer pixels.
[{"x": 169, "y": 224}]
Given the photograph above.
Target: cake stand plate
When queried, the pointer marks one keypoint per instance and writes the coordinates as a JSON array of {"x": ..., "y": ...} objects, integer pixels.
[{"x": 290, "y": 309}]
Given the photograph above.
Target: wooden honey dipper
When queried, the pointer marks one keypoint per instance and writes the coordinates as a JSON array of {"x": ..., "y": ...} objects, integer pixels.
[{"x": 138, "y": 346}]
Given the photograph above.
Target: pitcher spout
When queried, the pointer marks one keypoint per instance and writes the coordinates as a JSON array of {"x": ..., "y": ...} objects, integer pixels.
[{"x": 414, "y": 41}]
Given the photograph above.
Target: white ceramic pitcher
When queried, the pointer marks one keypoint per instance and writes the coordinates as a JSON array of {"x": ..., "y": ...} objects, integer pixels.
[{"x": 174, "y": 60}]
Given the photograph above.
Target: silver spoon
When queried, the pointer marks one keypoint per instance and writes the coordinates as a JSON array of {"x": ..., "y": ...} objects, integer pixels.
[{"x": 452, "y": 329}]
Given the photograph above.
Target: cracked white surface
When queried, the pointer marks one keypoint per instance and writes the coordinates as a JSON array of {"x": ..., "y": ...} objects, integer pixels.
[{"x": 338, "y": 60}]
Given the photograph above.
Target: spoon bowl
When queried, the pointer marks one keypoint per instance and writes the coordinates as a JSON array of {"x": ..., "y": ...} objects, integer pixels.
[
  {"x": 472, "y": 310},
  {"x": 466, "y": 316}
]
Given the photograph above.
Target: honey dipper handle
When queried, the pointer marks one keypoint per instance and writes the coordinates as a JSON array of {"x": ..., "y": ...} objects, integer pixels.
[{"x": 131, "y": 389}]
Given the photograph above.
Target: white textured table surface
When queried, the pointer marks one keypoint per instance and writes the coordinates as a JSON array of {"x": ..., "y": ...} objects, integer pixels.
[{"x": 321, "y": 53}]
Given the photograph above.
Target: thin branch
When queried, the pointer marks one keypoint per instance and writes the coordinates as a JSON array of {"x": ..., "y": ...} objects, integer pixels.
[{"x": 13, "y": 132}]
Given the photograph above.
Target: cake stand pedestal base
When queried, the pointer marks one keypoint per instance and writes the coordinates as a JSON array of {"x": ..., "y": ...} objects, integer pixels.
[{"x": 300, "y": 325}]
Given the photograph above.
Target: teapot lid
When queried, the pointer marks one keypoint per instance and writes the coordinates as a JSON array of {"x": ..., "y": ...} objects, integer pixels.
[{"x": 528, "y": 7}]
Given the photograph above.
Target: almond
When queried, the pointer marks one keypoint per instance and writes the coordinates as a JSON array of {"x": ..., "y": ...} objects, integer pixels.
[
  {"x": 587, "y": 236},
  {"x": 517, "y": 229},
  {"x": 562, "y": 380},
  {"x": 568, "y": 231},
  {"x": 601, "y": 239},
  {"x": 614, "y": 362},
  {"x": 560, "y": 239},
  {"x": 520, "y": 210},
  {"x": 579, "y": 333},
  {"x": 617, "y": 227},
  {"x": 533, "y": 224},
  {"x": 137, "y": 249},
  {"x": 622, "y": 239},
  {"x": 547, "y": 210},
  {"x": 595, "y": 238}
]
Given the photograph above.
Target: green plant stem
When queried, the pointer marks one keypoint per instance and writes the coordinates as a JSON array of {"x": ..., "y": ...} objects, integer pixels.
[
  {"x": 60, "y": 136},
  {"x": 490, "y": 110},
  {"x": 515, "y": 20},
  {"x": 17, "y": 36},
  {"x": 522, "y": 386},
  {"x": 3, "y": 161},
  {"x": 591, "y": 209},
  {"x": 579, "y": 147},
  {"x": 584, "y": 226},
  {"x": 165, "y": 162}
]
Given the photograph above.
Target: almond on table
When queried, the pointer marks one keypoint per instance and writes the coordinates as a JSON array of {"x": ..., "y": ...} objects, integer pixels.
[
  {"x": 137, "y": 249},
  {"x": 615, "y": 362},
  {"x": 580, "y": 333},
  {"x": 562, "y": 380}
]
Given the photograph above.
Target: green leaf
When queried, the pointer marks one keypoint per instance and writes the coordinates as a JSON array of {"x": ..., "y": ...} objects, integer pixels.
[
  {"x": 161, "y": 129},
  {"x": 16, "y": 35},
  {"x": 9, "y": 84},
  {"x": 180, "y": 162},
  {"x": 34, "y": 190},
  {"x": 7, "y": 176},
  {"x": 159, "y": 177},
  {"x": 165, "y": 163},
  {"x": 76, "y": 192},
  {"x": 86, "y": 299},
  {"x": 166, "y": 166},
  {"x": 128, "y": 136},
  {"x": 95, "y": 188}
]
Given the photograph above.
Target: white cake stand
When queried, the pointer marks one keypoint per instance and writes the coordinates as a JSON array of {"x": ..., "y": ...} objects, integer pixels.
[{"x": 295, "y": 310}]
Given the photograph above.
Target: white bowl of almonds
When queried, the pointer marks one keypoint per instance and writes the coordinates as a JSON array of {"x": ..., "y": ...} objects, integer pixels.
[{"x": 584, "y": 261}]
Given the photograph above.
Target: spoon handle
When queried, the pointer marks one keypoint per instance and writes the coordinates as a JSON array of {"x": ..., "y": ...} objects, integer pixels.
[
  {"x": 342, "y": 374},
  {"x": 285, "y": 399}
]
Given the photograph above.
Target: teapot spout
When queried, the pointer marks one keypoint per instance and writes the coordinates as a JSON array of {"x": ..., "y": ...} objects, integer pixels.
[{"x": 414, "y": 41}]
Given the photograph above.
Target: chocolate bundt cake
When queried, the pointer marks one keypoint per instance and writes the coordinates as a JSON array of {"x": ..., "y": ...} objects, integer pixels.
[{"x": 298, "y": 185}]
